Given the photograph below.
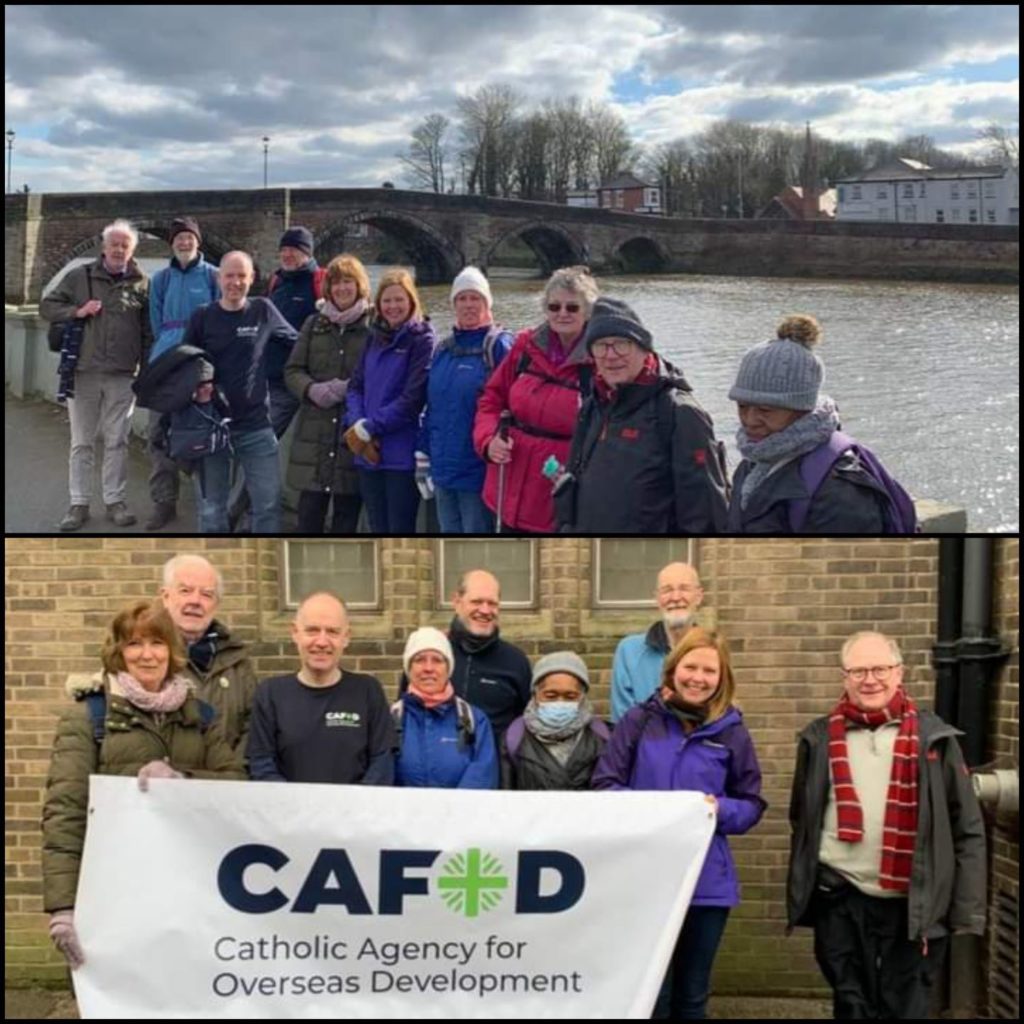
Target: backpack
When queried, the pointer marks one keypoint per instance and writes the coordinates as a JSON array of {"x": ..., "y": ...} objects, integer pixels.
[
  {"x": 486, "y": 348},
  {"x": 96, "y": 702},
  {"x": 517, "y": 730},
  {"x": 464, "y": 712},
  {"x": 197, "y": 431},
  {"x": 318, "y": 283},
  {"x": 586, "y": 376},
  {"x": 815, "y": 467}
]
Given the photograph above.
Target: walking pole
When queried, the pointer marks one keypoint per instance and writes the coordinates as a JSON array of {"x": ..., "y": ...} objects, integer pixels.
[{"x": 504, "y": 420}]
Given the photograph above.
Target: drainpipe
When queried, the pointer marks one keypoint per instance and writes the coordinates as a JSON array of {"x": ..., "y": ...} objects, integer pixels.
[{"x": 944, "y": 652}]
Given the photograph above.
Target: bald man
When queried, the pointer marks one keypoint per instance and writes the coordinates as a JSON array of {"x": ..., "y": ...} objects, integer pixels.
[
  {"x": 240, "y": 335},
  {"x": 322, "y": 723},
  {"x": 636, "y": 669}
]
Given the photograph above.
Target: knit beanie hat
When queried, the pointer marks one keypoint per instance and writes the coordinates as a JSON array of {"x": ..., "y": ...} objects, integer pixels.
[
  {"x": 428, "y": 639},
  {"x": 298, "y": 238},
  {"x": 471, "y": 280},
  {"x": 561, "y": 661},
  {"x": 783, "y": 373},
  {"x": 613, "y": 318},
  {"x": 180, "y": 224}
]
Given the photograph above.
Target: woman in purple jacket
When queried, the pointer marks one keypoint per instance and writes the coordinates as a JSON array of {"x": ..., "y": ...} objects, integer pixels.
[
  {"x": 385, "y": 400},
  {"x": 690, "y": 736}
]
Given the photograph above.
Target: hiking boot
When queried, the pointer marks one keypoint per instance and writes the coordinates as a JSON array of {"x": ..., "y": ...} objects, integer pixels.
[
  {"x": 163, "y": 513},
  {"x": 119, "y": 515},
  {"x": 74, "y": 519}
]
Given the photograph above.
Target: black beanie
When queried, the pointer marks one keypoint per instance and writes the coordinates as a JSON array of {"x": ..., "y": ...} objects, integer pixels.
[
  {"x": 613, "y": 318},
  {"x": 180, "y": 224},
  {"x": 298, "y": 238}
]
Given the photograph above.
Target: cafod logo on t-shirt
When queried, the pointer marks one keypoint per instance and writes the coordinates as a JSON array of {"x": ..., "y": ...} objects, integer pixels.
[{"x": 346, "y": 718}]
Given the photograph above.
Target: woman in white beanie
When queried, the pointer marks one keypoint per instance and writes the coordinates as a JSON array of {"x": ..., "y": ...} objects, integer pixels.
[
  {"x": 446, "y": 464},
  {"x": 443, "y": 742},
  {"x": 557, "y": 741},
  {"x": 800, "y": 473}
]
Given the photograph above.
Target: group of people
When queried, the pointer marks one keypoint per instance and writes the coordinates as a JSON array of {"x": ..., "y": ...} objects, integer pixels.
[
  {"x": 577, "y": 425},
  {"x": 888, "y": 846}
]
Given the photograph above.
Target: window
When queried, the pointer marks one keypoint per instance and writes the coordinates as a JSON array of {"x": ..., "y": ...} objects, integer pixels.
[
  {"x": 972, "y": 190},
  {"x": 990, "y": 216},
  {"x": 842, "y": 194},
  {"x": 940, "y": 217},
  {"x": 514, "y": 562},
  {"x": 350, "y": 568},
  {"x": 990, "y": 190},
  {"x": 619, "y": 198},
  {"x": 856, "y": 192},
  {"x": 972, "y": 216},
  {"x": 921, "y": 191},
  {"x": 908, "y": 190},
  {"x": 954, "y": 190},
  {"x": 883, "y": 192},
  {"x": 625, "y": 570},
  {"x": 957, "y": 215}
]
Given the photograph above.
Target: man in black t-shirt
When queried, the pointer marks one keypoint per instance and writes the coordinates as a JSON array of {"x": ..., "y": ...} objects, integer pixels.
[{"x": 322, "y": 724}]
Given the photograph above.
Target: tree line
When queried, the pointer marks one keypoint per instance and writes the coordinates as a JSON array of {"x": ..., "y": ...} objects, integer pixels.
[{"x": 497, "y": 146}]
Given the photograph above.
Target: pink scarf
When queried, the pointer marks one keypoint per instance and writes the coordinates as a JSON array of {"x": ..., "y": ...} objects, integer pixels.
[
  {"x": 169, "y": 697},
  {"x": 344, "y": 317},
  {"x": 433, "y": 700}
]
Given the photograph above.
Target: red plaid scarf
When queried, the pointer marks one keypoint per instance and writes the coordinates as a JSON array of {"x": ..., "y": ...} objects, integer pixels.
[{"x": 902, "y": 798}]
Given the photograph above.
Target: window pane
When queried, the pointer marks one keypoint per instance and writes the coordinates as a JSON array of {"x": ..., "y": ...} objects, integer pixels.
[
  {"x": 348, "y": 567},
  {"x": 512, "y": 561},
  {"x": 626, "y": 570}
]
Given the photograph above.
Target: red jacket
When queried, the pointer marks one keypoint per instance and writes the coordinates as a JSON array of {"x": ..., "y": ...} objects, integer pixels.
[{"x": 541, "y": 398}]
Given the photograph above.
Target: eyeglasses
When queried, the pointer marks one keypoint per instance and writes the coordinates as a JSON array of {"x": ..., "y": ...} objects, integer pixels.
[
  {"x": 880, "y": 673},
  {"x": 569, "y": 307},
  {"x": 684, "y": 588},
  {"x": 620, "y": 346}
]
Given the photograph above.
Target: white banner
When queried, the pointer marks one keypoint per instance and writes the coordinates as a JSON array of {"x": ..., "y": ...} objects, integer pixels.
[{"x": 270, "y": 900}]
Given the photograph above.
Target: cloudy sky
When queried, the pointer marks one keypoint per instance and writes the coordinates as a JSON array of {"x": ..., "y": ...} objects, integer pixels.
[{"x": 109, "y": 97}]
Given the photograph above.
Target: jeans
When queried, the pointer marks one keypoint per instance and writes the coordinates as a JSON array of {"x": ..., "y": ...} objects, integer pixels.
[
  {"x": 684, "y": 992},
  {"x": 103, "y": 404},
  {"x": 463, "y": 512},
  {"x": 313, "y": 511},
  {"x": 256, "y": 453},
  {"x": 392, "y": 500}
]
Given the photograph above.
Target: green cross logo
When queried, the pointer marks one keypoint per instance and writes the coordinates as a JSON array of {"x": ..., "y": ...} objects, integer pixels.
[{"x": 471, "y": 882}]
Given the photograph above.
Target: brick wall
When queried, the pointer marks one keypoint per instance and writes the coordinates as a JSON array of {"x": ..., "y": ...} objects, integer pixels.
[{"x": 786, "y": 606}]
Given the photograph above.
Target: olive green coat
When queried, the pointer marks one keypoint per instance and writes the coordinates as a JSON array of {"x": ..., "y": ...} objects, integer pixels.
[
  {"x": 132, "y": 738},
  {"x": 320, "y": 460}
]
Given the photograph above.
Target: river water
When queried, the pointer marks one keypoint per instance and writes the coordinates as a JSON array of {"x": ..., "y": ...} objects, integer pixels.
[{"x": 925, "y": 374}]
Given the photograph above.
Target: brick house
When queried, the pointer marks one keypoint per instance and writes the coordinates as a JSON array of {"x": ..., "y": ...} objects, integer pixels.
[
  {"x": 785, "y": 605},
  {"x": 628, "y": 194}
]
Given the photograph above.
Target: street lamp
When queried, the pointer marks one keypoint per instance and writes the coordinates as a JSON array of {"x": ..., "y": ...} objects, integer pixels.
[
  {"x": 10, "y": 156},
  {"x": 266, "y": 151}
]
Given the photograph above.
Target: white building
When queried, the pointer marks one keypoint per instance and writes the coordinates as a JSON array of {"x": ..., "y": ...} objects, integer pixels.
[{"x": 910, "y": 192}]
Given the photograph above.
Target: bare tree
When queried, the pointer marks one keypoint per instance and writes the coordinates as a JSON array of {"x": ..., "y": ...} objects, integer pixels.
[
  {"x": 488, "y": 127},
  {"x": 614, "y": 150},
  {"x": 1003, "y": 147},
  {"x": 425, "y": 161}
]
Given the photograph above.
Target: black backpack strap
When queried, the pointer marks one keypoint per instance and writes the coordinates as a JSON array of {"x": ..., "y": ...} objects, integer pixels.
[
  {"x": 466, "y": 726},
  {"x": 397, "y": 710},
  {"x": 207, "y": 713},
  {"x": 96, "y": 702}
]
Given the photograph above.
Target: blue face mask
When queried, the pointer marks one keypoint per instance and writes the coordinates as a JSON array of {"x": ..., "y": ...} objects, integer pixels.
[{"x": 558, "y": 713}]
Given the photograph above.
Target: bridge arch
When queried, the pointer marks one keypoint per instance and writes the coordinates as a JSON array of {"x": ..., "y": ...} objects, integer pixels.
[
  {"x": 553, "y": 246},
  {"x": 437, "y": 260},
  {"x": 642, "y": 255}
]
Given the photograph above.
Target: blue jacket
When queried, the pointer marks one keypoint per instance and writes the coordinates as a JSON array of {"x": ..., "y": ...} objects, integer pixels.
[
  {"x": 388, "y": 390},
  {"x": 294, "y": 293},
  {"x": 636, "y": 668},
  {"x": 458, "y": 372},
  {"x": 174, "y": 294},
  {"x": 649, "y": 750},
  {"x": 433, "y": 754}
]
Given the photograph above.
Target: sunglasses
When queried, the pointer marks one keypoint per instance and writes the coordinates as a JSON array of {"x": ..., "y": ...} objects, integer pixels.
[{"x": 569, "y": 307}]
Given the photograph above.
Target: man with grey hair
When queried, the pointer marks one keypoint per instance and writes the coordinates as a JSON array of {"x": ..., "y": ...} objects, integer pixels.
[
  {"x": 240, "y": 334},
  {"x": 636, "y": 668},
  {"x": 219, "y": 665},
  {"x": 111, "y": 295},
  {"x": 887, "y": 853}
]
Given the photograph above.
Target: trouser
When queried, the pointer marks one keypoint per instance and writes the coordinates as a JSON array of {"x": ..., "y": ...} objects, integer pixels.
[
  {"x": 313, "y": 512},
  {"x": 392, "y": 500},
  {"x": 684, "y": 992},
  {"x": 462, "y": 512},
  {"x": 103, "y": 404},
  {"x": 163, "y": 477},
  {"x": 876, "y": 972},
  {"x": 256, "y": 453}
]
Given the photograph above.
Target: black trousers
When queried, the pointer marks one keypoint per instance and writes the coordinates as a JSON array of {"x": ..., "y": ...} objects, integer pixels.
[
  {"x": 876, "y": 972},
  {"x": 313, "y": 511}
]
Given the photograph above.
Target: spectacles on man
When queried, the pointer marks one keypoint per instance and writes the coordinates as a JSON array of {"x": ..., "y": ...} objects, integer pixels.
[
  {"x": 880, "y": 673},
  {"x": 684, "y": 588},
  {"x": 569, "y": 307},
  {"x": 620, "y": 346}
]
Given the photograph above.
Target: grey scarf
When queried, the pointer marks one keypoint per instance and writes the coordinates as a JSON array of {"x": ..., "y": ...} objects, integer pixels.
[
  {"x": 778, "y": 450},
  {"x": 560, "y": 743}
]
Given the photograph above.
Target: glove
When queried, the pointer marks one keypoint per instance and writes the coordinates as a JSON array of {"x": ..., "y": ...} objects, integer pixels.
[
  {"x": 321, "y": 394},
  {"x": 156, "y": 770},
  {"x": 339, "y": 388},
  {"x": 424, "y": 481},
  {"x": 65, "y": 938},
  {"x": 361, "y": 432}
]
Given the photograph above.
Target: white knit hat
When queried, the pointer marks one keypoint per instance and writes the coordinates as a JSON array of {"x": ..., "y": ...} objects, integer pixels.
[
  {"x": 428, "y": 639},
  {"x": 471, "y": 280}
]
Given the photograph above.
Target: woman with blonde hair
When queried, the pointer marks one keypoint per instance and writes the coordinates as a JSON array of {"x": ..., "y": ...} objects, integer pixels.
[
  {"x": 318, "y": 373},
  {"x": 385, "y": 400},
  {"x": 691, "y": 736}
]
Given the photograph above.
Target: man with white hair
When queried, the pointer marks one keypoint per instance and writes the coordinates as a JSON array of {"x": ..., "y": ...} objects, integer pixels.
[
  {"x": 636, "y": 669},
  {"x": 219, "y": 665},
  {"x": 111, "y": 296},
  {"x": 887, "y": 854}
]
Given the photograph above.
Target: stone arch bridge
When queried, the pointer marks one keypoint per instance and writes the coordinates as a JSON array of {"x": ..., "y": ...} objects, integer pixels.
[{"x": 440, "y": 234}]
